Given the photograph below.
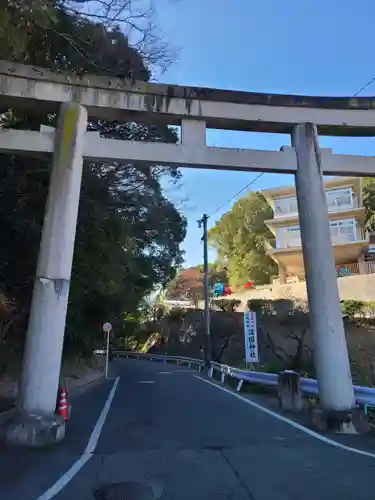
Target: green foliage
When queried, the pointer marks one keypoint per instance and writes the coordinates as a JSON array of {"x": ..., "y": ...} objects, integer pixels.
[
  {"x": 227, "y": 305},
  {"x": 240, "y": 237},
  {"x": 368, "y": 193},
  {"x": 128, "y": 233},
  {"x": 176, "y": 315},
  {"x": 19, "y": 21},
  {"x": 352, "y": 308},
  {"x": 159, "y": 312},
  {"x": 152, "y": 340},
  {"x": 255, "y": 304},
  {"x": 31, "y": 28}
]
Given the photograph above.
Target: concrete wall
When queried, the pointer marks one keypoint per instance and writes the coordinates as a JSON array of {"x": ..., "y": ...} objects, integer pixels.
[{"x": 359, "y": 287}]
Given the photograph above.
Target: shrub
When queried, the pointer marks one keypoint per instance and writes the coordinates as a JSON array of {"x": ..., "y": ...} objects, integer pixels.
[
  {"x": 256, "y": 305},
  {"x": 228, "y": 306},
  {"x": 352, "y": 308},
  {"x": 176, "y": 315}
]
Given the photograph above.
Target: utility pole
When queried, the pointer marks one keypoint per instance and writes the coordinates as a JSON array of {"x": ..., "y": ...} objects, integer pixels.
[{"x": 207, "y": 352}]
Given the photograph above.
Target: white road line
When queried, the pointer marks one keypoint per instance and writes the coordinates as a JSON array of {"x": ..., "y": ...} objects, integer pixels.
[
  {"x": 146, "y": 381},
  {"x": 290, "y": 422},
  {"x": 88, "y": 453},
  {"x": 94, "y": 438},
  {"x": 65, "y": 479}
]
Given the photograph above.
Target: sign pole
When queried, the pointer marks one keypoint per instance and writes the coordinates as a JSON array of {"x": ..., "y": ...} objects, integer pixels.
[
  {"x": 107, "y": 327},
  {"x": 107, "y": 357}
]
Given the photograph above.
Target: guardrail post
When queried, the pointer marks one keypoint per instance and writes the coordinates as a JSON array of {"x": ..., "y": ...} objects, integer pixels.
[
  {"x": 239, "y": 385},
  {"x": 210, "y": 371},
  {"x": 289, "y": 390},
  {"x": 222, "y": 378},
  {"x": 199, "y": 368}
]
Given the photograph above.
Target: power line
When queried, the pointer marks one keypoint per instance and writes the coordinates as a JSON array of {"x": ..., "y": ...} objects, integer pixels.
[
  {"x": 234, "y": 196},
  {"x": 260, "y": 175},
  {"x": 364, "y": 86}
]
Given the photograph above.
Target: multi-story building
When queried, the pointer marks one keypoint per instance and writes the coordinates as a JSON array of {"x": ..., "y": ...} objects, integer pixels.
[{"x": 351, "y": 243}]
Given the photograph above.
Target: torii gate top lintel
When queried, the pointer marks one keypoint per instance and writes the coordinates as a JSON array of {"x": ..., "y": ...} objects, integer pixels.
[{"x": 112, "y": 98}]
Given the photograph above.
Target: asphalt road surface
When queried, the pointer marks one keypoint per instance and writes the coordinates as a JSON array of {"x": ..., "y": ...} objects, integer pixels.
[{"x": 170, "y": 435}]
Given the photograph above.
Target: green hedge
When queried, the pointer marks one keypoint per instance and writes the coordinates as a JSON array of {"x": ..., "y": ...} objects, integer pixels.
[{"x": 357, "y": 309}]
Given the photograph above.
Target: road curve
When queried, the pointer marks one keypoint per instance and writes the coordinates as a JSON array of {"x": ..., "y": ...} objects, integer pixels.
[{"x": 189, "y": 440}]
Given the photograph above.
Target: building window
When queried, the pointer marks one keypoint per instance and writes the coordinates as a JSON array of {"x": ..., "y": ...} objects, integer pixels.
[
  {"x": 343, "y": 231},
  {"x": 285, "y": 206},
  {"x": 288, "y": 237},
  {"x": 339, "y": 199}
]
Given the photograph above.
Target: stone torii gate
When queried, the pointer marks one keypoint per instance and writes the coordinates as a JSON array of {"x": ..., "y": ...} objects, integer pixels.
[{"x": 194, "y": 109}]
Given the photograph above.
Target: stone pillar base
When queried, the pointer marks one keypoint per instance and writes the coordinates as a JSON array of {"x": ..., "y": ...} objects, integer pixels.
[
  {"x": 352, "y": 421},
  {"x": 35, "y": 431},
  {"x": 289, "y": 391}
]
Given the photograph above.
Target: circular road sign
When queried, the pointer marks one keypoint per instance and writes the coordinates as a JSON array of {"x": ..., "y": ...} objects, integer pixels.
[{"x": 107, "y": 327}]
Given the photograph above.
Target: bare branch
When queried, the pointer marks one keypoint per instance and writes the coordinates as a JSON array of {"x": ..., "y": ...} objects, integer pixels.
[
  {"x": 277, "y": 350},
  {"x": 136, "y": 19}
]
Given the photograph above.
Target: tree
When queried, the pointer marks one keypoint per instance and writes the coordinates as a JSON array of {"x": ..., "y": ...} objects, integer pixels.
[
  {"x": 227, "y": 305},
  {"x": 128, "y": 233},
  {"x": 369, "y": 202},
  {"x": 188, "y": 284},
  {"x": 290, "y": 341},
  {"x": 239, "y": 238},
  {"x": 22, "y": 20}
]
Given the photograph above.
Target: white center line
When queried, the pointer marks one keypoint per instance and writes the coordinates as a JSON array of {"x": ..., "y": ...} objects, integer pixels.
[
  {"x": 87, "y": 454},
  {"x": 146, "y": 381}
]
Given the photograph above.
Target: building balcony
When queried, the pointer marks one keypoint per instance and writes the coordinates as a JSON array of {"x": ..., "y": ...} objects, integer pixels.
[
  {"x": 342, "y": 270},
  {"x": 288, "y": 252},
  {"x": 359, "y": 214},
  {"x": 294, "y": 243},
  {"x": 289, "y": 209}
]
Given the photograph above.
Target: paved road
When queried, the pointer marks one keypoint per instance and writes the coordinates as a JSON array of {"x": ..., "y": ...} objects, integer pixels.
[{"x": 194, "y": 441}]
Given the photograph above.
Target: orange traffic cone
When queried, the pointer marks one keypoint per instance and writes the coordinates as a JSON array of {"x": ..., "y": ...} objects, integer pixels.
[{"x": 62, "y": 404}]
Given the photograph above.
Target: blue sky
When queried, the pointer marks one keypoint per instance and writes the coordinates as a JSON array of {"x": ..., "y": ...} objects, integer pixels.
[{"x": 302, "y": 47}]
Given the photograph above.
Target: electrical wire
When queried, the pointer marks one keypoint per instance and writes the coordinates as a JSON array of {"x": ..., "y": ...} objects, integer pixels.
[
  {"x": 235, "y": 195},
  {"x": 260, "y": 175},
  {"x": 364, "y": 86}
]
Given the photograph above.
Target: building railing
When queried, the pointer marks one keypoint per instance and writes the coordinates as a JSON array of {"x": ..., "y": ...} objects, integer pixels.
[
  {"x": 294, "y": 240},
  {"x": 289, "y": 207},
  {"x": 342, "y": 270},
  {"x": 355, "y": 268},
  {"x": 342, "y": 203}
]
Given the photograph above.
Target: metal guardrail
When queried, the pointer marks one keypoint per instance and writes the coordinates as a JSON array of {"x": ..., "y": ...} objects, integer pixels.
[{"x": 364, "y": 396}]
